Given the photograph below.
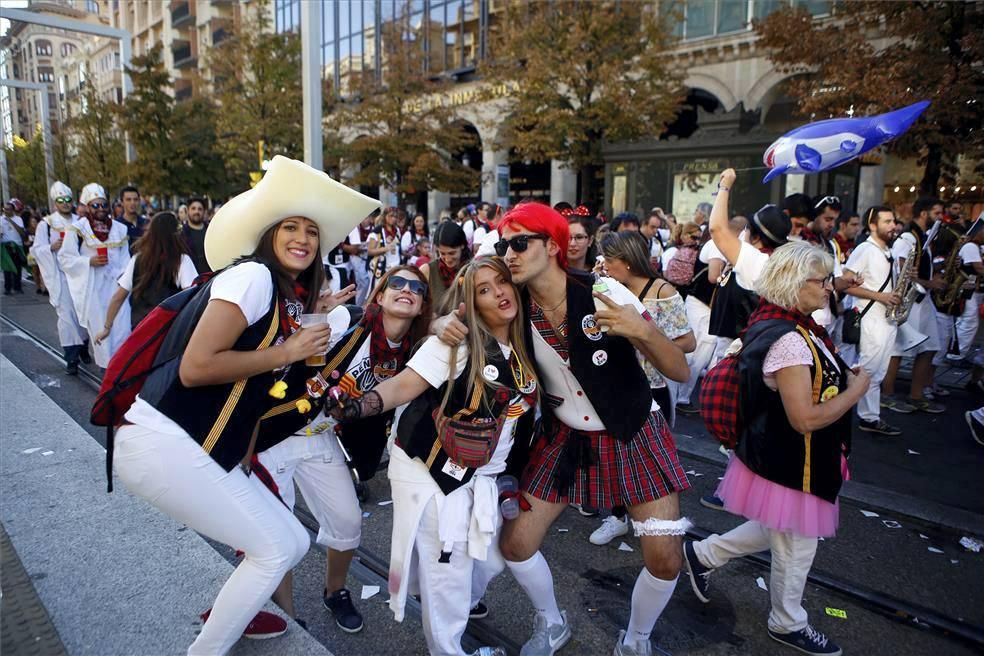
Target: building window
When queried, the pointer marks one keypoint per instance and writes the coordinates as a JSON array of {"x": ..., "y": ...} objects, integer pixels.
[
  {"x": 287, "y": 15},
  {"x": 42, "y": 48},
  {"x": 699, "y": 19},
  {"x": 46, "y": 75},
  {"x": 67, "y": 49},
  {"x": 92, "y": 7}
]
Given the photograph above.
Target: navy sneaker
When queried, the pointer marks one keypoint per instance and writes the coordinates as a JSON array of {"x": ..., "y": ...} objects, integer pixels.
[
  {"x": 808, "y": 641},
  {"x": 712, "y": 502},
  {"x": 478, "y": 611},
  {"x": 698, "y": 574},
  {"x": 340, "y": 605},
  {"x": 880, "y": 427}
]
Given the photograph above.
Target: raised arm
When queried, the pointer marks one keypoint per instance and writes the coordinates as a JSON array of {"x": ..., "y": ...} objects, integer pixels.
[{"x": 725, "y": 240}]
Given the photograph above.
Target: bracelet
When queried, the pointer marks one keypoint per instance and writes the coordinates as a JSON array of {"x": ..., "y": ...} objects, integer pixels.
[{"x": 722, "y": 187}]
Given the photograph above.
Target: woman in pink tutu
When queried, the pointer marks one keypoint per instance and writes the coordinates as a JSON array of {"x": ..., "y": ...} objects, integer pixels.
[{"x": 796, "y": 397}]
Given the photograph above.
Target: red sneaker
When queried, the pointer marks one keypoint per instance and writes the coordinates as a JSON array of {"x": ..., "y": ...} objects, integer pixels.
[{"x": 264, "y": 625}]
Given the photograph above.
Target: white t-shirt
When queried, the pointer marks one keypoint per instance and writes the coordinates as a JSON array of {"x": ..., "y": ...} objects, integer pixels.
[
  {"x": 186, "y": 274},
  {"x": 872, "y": 263},
  {"x": 432, "y": 362},
  {"x": 668, "y": 255},
  {"x": 393, "y": 256},
  {"x": 355, "y": 238},
  {"x": 748, "y": 267},
  {"x": 479, "y": 235},
  {"x": 710, "y": 252},
  {"x": 469, "y": 228},
  {"x": 970, "y": 253},
  {"x": 576, "y": 410},
  {"x": 7, "y": 232}
]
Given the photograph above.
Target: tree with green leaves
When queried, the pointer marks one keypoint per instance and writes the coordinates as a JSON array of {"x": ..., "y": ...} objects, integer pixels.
[
  {"x": 257, "y": 86},
  {"x": 98, "y": 143},
  {"x": 149, "y": 119},
  {"x": 888, "y": 55},
  {"x": 199, "y": 167},
  {"x": 25, "y": 164},
  {"x": 397, "y": 131},
  {"x": 588, "y": 73}
]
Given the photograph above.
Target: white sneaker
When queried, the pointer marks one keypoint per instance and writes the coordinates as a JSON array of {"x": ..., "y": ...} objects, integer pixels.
[{"x": 612, "y": 527}]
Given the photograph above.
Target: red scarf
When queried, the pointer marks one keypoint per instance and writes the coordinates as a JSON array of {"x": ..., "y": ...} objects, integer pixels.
[
  {"x": 380, "y": 351},
  {"x": 447, "y": 273},
  {"x": 767, "y": 310},
  {"x": 101, "y": 225},
  {"x": 289, "y": 325}
]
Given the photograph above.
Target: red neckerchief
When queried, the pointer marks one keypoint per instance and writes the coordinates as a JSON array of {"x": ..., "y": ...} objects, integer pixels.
[
  {"x": 101, "y": 228},
  {"x": 447, "y": 273},
  {"x": 766, "y": 310},
  {"x": 380, "y": 351},
  {"x": 288, "y": 324},
  {"x": 364, "y": 232},
  {"x": 390, "y": 233},
  {"x": 810, "y": 236}
]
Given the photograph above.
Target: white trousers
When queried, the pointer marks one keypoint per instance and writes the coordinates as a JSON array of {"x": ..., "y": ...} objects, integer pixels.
[
  {"x": 173, "y": 473},
  {"x": 947, "y": 325},
  {"x": 967, "y": 323},
  {"x": 875, "y": 349},
  {"x": 317, "y": 465},
  {"x": 699, "y": 318},
  {"x": 70, "y": 332},
  {"x": 448, "y": 591},
  {"x": 792, "y": 558}
]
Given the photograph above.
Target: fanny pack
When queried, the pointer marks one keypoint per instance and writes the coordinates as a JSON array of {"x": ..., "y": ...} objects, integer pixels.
[{"x": 469, "y": 443}]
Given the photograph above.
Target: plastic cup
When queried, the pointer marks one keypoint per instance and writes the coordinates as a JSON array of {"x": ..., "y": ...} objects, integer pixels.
[
  {"x": 61, "y": 235},
  {"x": 307, "y": 321},
  {"x": 102, "y": 251}
]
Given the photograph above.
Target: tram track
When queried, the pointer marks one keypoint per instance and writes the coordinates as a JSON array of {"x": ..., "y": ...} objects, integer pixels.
[{"x": 482, "y": 632}]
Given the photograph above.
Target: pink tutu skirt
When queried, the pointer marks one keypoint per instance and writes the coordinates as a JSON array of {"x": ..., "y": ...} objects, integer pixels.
[{"x": 775, "y": 506}]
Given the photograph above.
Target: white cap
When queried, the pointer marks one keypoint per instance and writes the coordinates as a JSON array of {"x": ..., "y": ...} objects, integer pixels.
[
  {"x": 91, "y": 192},
  {"x": 59, "y": 190}
]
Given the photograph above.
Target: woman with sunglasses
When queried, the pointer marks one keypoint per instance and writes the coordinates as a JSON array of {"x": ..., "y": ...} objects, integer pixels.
[
  {"x": 316, "y": 454},
  {"x": 93, "y": 259},
  {"x": 469, "y": 423}
]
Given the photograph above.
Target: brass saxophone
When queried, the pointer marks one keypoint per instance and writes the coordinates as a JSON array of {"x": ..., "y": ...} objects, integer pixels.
[
  {"x": 898, "y": 314},
  {"x": 954, "y": 278}
]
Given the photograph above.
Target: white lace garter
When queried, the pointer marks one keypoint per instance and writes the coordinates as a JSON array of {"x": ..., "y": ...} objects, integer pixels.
[{"x": 661, "y": 527}]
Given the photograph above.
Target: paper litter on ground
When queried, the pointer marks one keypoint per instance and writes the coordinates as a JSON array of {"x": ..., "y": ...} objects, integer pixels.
[
  {"x": 369, "y": 591},
  {"x": 868, "y": 513},
  {"x": 30, "y": 451},
  {"x": 563, "y": 530},
  {"x": 923, "y": 536},
  {"x": 625, "y": 547},
  {"x": 914, "y": 453},
  {"x": 891, "y": 523},
  {"x": 971, "y": 544},
  {"x": 366, "y": 514},
  {"x": 837, "y": 612},
  {"x": 935, "y": 550},
  {"x": 47, "y": 453},
  {"x": 385, "y": 503},
  {"x": 760, "y": 582}
]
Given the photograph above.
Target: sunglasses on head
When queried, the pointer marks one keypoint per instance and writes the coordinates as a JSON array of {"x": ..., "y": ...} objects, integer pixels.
[
  {"x": 63, "y": 199},
  {"x": 99, "y": 206},
  {"x": 399, "y": 283},
  {"x": 519, "y": 243},
  {"x": 832, "y": 201}
]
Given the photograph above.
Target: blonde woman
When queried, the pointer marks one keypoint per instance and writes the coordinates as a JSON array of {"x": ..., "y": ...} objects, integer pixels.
[
  {"x": 790, "y": 461},
  {"x": 469, "y": 423}
]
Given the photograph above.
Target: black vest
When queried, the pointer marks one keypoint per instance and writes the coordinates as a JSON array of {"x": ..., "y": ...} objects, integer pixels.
[
  {"x": 221, "y": 418},
  {"x": 363, "y": 439},
  {"x": 618, "y": 389},
  {"x": 417, "y": 434},
  {"x": 769, "y": 445},
  {"x": 925, "y": 260},
  {"x": 152, "y": 295},
  {"x": 731, "y": 307}
]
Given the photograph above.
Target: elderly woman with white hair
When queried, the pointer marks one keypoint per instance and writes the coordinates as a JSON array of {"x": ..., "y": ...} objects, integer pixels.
[{"x": 796, "y": 397}]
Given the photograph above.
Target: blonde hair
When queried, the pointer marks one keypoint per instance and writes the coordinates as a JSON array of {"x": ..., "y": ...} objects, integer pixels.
[
  {"x": 787, "y": 270},
  {"x": 682, "y": 229},
  {"x": 479, "y": 335}
]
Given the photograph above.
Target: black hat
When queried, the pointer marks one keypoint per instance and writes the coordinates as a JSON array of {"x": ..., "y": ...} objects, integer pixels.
[{"x": 772, "y": 224}]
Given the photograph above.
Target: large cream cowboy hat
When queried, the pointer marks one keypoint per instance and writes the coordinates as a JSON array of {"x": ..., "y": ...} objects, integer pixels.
[{"x": 289, "y": 188}]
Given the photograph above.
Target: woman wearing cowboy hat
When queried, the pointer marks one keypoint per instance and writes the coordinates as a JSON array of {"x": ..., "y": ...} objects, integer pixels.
[{"x": 187, "y": 440}]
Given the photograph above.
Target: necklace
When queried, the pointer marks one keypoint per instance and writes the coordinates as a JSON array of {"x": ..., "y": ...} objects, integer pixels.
[{"x": 546, "y": 309}]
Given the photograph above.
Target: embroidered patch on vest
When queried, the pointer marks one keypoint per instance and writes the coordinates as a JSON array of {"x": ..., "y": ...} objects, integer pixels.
[{"x": 591, "y": 328}]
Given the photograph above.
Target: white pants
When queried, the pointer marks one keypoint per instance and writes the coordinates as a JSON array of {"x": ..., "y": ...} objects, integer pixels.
[
  {"x": 173, "y": 473},
  {"x": 699, "y": 318},
  {"x": 318, "y": 466},
  {"x": 967, "y": 323},
  {"x": 875, "y": 349},
  {"x": 448, "y": 591},
  {"x": 721, "y": 345},
  {"x": 922, "y": 317},
  {"x": 70, "y": 332},
  {"x": 946, "y": 325},
  {"x": 792, "y": 557}
]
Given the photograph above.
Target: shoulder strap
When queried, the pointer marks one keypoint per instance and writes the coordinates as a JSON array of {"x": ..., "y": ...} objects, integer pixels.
[
  {"x": 645, "y": 290},
  {"x": 883, "y": 285}
]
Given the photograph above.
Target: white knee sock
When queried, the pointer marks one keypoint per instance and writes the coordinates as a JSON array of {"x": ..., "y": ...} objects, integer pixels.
[
  {"x": 534, "y": 577},
  {"x": 649, "y": 597}
]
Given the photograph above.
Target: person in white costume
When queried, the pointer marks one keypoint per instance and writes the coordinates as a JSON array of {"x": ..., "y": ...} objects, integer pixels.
[
  {"x": 48, "y": 241},
  {"x": 446, "y": 517},
  {"x": 92, "y": 262}
]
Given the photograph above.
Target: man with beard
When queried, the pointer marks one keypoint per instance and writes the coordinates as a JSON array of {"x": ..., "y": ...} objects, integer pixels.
[
  {"x": 48, "y": 239},
  {"x": 93, "y": 258},
  {"x": 193, "y": 233}
]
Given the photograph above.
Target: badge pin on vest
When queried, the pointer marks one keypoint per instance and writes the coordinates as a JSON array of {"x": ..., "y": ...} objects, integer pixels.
[
  {"x": 599, "y": 358},
  {"x": 490, "y": 372}
]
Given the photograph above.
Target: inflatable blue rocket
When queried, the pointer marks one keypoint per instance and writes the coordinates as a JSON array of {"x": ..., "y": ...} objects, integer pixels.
[{"x": 824, "y": 145}]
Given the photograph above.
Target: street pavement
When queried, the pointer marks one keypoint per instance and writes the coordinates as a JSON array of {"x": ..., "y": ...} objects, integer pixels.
[{"x": 880, "y": 571}]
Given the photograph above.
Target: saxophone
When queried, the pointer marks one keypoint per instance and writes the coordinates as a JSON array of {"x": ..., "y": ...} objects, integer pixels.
[
  {"x": 905, "y": 289},
  {"x": 954, "y": 277}
]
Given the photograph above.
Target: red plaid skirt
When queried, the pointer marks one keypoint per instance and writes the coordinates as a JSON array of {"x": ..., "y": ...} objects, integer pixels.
[{"x": 643, "y": 469}]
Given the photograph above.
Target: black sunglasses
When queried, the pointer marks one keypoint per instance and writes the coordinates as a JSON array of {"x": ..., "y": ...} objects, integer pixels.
[
  {"x": 399, "y": 283},
  {"x": 99, "y": 206},
  {"x": 519, "y": 243}
]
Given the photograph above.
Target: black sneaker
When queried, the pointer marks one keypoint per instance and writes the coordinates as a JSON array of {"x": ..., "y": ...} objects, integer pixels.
[
  {"x": 880, "y": 427},
  {"x": 808, "y": 641},
  {"x": 698, "y": 574},
  {"x": 687, "y": 409},
  {"x": 711, "y": 501},
  {"x": 84, "y": 354},
  {"x": 72, "y": 369},
  {"x": 478, "y": 611},
  {"x": 361, "y": 491},
  {"x": 976, "y": 427},
  {"x": 340, "y": 605}
]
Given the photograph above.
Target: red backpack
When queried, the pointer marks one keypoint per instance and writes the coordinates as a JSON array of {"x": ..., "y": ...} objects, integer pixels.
[
  {"x": 720, "y": 401},
  {"x": 133, "y": 362}
]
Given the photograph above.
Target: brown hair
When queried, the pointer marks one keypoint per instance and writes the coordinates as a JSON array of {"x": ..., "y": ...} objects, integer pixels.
[
  {"x": 420, "y": 324},
  {"x": 160, "y": 250},
  {"x": 310, "y": 279}
]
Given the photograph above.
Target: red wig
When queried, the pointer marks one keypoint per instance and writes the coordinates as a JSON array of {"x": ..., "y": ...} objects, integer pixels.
[{"x": 539, "y": 218}]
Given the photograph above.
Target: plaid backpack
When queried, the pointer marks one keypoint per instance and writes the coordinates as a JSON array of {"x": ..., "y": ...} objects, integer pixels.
[{"x": 720, "y": 401}]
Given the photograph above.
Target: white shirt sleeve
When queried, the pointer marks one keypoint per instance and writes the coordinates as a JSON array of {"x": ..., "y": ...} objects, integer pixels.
[
  {"x": 710, "y": 252},
  {"x": 749, "y": 265},
  {"x": 247, "y": 285},
  {"x": 479, "y": 234},
  {"x": 903, "y": 245},
  {"x": 621, "y": 295},
  {"x": 469, "y": 228},
  {"x": 186, "y": 273},
  {"x": 432, "y": 361},
  {"x": 969, "y": 253},
  {"x": 126, "y": 280},
  {"x": 856, "y": 262}
]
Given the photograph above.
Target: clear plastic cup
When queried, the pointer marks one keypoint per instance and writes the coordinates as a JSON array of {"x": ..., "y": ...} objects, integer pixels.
[{"x": 307, "y": 321}]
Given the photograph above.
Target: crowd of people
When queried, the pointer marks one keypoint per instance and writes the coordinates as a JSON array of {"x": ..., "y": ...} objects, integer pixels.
[{"x": 506, "y": 364}]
